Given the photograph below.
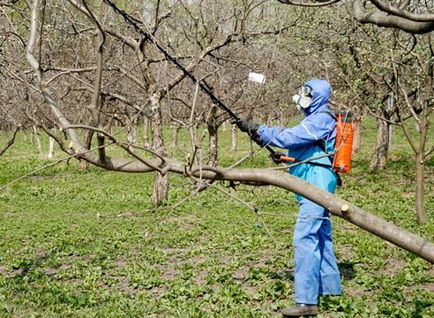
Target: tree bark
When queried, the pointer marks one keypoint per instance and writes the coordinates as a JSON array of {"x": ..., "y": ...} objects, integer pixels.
[
  {"x": 213, "y": 137},
  {"x": 420, "y": 166},
  {"x": 234, "y": 138},
  {"x": 175, "y": 135},
  {"x": 379, "y": 157},
  {"x": 10, "y": 141},
  {"x": 357, "y": 142},
  {"x": 50, "y": 147},
  {"x": 131, "y": 131},
  {"x": 213, "y": 143},
  {"x": 339, "y": 207},
  {"x": 35, "y": 136},
  {"x": 161, "y": 180},
  {"x": 146, "y": 143},
  {"x": 420, "y": 172}
]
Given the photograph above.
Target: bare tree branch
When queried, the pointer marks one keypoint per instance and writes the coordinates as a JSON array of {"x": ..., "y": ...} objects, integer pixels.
[
  {"x": 391, "y": 21},
  {"x": 310, "y": 3},
  {"x": 10, "y": 142},
  {"x": 337, "y": 206},
  {"x": 386, "y": 14},
  {"x": 387, "y": 7}
]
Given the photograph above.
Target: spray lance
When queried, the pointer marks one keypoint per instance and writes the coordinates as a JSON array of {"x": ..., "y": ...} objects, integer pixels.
[{"x": 201, "y": 83}]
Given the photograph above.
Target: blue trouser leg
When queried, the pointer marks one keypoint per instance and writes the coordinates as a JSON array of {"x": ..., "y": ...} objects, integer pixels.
[
  {"x": 307, "y": 253},
  {"x": 316, "y": 271},
  {"x": 330, "y": 282}
]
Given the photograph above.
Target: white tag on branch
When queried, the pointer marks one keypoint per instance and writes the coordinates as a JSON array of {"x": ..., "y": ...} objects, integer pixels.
[{"x": 257, "y": 77}]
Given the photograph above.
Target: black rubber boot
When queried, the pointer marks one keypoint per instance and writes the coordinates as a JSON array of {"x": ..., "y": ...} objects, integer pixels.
[{"x": 300, "y": 310}]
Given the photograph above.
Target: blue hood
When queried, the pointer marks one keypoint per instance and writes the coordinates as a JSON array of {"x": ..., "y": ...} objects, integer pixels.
[{"x": 321, "y": 92}]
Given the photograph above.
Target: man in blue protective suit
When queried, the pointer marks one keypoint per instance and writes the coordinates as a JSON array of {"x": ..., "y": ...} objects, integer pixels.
[{"x": 316, "y": 273}]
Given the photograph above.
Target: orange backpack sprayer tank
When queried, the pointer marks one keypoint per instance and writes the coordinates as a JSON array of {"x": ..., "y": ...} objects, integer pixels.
[{"x": 344, "y": 142}]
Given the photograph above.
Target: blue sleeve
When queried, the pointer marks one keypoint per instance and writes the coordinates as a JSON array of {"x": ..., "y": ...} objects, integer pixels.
[{"x": 311, "y": 129}]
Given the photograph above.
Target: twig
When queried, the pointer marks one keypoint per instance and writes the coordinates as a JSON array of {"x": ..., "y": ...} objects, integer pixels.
[{"x": 10, "y": 142}]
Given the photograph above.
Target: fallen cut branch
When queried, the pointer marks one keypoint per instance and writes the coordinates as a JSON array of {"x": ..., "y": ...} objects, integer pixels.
[{"x": 337, "y": 206}]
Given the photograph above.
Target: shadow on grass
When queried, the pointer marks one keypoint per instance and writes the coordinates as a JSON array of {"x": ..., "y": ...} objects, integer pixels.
[
  {"x": 347, "y": 269},
  {"x": 26, "y": 268},
  {"x": 287, "y": 275}
]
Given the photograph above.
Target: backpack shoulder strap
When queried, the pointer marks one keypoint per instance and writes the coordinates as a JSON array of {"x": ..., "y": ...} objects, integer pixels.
[
  {"x": 329, "y": 112},
  {"x": 322, "y": 146},
  {"x": 319, "y": 142}
]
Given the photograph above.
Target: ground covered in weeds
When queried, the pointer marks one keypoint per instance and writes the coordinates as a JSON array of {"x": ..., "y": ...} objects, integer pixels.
[{"x": 90, "y": 244}]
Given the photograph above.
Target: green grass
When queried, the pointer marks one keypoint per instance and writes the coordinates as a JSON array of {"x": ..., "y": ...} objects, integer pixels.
[{"x": 90, "y": 244}]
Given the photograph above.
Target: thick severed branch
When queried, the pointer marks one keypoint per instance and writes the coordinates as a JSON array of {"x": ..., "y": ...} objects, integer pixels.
[{"x": 337, "y": 206}]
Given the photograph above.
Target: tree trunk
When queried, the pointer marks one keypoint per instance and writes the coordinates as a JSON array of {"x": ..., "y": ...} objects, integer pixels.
[
  {"x": 146, "y": 143},
  {"x": 379, "y": 157},
  {"x": 420, "y": 169},
  {"x": 357, "y": 140},
  {"x": 131, "y": 132},
  {"x": 50, "y": 147},
  {"x": 213, "y": 137},
  {"x": 35, "y": 136},
  {"x": 161, "y": 181},
  {"x": 420, "y": 166},
  {"x": 213, "y": 143},
  {"x": 195, "y": 147},
  {"x": 175, "y": 135},
  {"x": 283, "y": 118},
  {"x": 234, "y": 138},
  {"x": 83, "y": 164},
  {"x": 160, "y": 191},
  {"x": 224, "y": 126}
]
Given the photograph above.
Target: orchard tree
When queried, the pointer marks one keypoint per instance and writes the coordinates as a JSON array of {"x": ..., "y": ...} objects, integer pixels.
[
  {"x": 413, "y": 91},
  {"x": 16, "y": 112}
]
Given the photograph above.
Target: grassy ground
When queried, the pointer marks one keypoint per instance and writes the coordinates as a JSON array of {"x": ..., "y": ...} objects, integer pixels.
[{"x": 90, "y": 244}]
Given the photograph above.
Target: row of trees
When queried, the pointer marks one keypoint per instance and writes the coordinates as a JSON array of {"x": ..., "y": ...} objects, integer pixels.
[{"x": 92, "y": 69}]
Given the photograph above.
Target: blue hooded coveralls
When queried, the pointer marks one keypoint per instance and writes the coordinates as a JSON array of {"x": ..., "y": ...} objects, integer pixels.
[{"x": 316, "y": 272}]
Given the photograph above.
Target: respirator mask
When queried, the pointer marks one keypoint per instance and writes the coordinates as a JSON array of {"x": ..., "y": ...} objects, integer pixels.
[{"x": 303, "y": 99}]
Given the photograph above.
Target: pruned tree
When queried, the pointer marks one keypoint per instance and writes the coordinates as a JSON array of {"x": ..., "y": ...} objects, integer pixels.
[
  {"x": 414, "y": 91},
  {"x": 15, "y": 111}
]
